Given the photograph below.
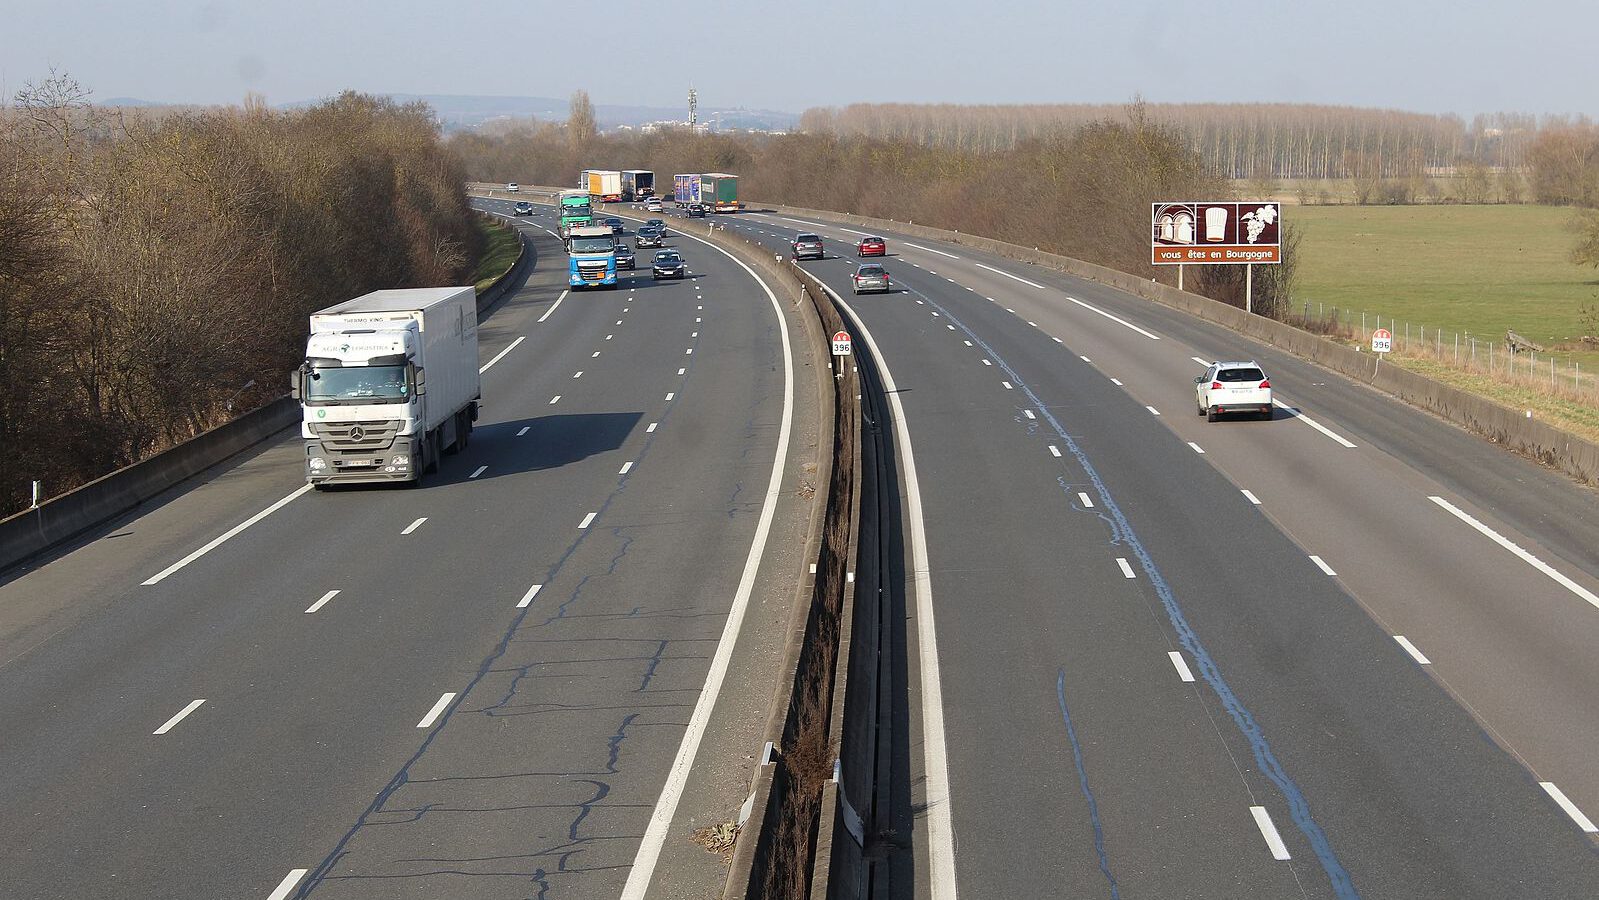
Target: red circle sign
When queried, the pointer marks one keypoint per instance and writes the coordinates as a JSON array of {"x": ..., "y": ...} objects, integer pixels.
[
  {"x": 1382, "y": 333},
  {"x": 842, "y": 336}
]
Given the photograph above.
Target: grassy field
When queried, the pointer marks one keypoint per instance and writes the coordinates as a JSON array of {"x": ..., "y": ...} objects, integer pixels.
[
  {"x": 500, "y": 249},
  {"x": 1476, "y": 269}
]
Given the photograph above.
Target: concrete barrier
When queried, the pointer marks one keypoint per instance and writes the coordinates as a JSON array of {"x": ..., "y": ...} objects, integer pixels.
[
  {"x": 63, "y": 518},
  {"x": 792, "y": 816},
  {"x": 1511, "y": 428}
]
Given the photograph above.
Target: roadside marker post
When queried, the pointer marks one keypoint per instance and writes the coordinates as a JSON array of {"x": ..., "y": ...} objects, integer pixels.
[{"x": 1382, "y": 341}]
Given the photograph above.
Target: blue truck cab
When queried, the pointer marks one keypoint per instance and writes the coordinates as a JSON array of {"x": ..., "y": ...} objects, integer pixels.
[{"x": 591, "y": 251}]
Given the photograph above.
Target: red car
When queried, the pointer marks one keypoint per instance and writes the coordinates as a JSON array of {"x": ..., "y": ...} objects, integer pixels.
[{"x": 871, "y": 246}]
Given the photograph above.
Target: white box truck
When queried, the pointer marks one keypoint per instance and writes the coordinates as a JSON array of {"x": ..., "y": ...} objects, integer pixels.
[{"x": 389, "y": 384}]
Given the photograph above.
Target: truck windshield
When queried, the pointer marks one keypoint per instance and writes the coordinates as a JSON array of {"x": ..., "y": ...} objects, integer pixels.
[
  {"x": 592, "y": 245},
  {"x": 357, "y": 384}
]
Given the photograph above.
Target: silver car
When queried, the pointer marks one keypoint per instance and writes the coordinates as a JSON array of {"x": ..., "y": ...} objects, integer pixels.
[{"x": 871, "y": 278}]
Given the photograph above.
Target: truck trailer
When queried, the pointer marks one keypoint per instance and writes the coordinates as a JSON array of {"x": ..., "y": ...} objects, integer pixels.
[
  {"x": 719, "y": 192},
  {"x": 604, "y": 185},
  {"x": 637, "y": 184},
  {"x": 685, "y": 189},
  {"x": 389, "y": 385},
  {"x": 591, "y": 253}
]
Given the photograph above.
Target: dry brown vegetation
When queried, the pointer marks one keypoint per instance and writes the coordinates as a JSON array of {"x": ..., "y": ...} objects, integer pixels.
[
  {"x": 1083, "y": 192},
  {"x": 156, "y": 271}
]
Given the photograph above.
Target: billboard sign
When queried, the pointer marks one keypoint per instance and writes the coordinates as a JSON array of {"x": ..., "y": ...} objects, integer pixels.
[{"x": 1220, "y": 233}]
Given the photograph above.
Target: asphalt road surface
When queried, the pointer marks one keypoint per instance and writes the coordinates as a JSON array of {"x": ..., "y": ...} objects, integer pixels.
[
  {"x": 472, "y": 689},
  {"x": 1345, "y": 652}
]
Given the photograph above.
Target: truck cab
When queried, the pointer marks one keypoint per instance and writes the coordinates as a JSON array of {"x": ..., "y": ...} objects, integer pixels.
[{"x": 591, "y": 252}]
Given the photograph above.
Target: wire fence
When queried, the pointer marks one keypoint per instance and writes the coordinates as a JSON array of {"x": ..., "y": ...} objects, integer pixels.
[{"x": 1508, "y": 358}]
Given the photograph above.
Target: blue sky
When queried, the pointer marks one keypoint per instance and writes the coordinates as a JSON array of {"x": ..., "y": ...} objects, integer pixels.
[{"x": 1465, "y": 57}]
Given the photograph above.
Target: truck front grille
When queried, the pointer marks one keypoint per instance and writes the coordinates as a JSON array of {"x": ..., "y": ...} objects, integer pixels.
[{"x": 356, "y": 437}]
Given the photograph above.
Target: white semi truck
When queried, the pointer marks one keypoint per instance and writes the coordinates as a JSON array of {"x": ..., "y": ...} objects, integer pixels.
[{"x": 389, "y": 384}]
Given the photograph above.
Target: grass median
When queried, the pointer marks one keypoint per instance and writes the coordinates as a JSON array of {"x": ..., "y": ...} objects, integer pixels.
[{"x": 501, "y": 246}]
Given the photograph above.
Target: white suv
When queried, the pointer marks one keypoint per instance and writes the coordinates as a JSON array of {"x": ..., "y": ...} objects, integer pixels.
[{"x": 1232, "y": 387}]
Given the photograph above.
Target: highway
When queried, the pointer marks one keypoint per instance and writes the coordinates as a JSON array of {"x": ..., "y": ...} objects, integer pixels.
[
  {"x": 494, "y": 685},
  {"x": 1346, "y": 652}
]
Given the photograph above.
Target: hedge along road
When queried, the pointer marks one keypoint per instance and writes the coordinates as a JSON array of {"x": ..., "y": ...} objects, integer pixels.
[
  {"x": 1171, "y": 650},
  {"x": 477, "y": 688}
]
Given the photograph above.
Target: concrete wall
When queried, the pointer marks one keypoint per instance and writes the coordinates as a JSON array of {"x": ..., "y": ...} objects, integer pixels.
[{"x": 75, "y": 512}]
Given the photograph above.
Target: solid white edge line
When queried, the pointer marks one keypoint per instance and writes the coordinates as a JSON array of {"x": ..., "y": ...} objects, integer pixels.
[
  {"x": 225, "y": 536},
  {"x": 179, "y": 717},
  {"x": 1274, "y": 841},
  {"x": 1087, "y": 501},
  {"x": 501, "y": 355},
  {"x": 414, "y": 525},
  {"x": 1322, "y": 564},
  {"x": 655, "y": 834},
  {"x": 528, "y": 597},
  {"x": 1181, "y": 665},
  {"x": 1086, "y": 360},
  {"x": 1009, "y": 275},
  {"x": 1117, "y": 319},
  {"x": 588, "y": 520},
  {"x": 1526, "y": 557},
  {"x": 287, "y": 884},
  {"x": 1410, "y": 648},
  {"x": 929, "y": 249},
  {"x": 1571, "y": 809},
  {"x": 1117, "y": 382},
  {"x": 437, "y": 710},
  {"x": 1127, "y": 570},
  {"x": 935, "y": 755},
  {"x": 322, "y": 602},
  {"x": 1312, "y": 423},
  {"x": 1200, "y": 361},
  {"x": 556, "y": 306},
  {"x": 1250, "y": 496}
]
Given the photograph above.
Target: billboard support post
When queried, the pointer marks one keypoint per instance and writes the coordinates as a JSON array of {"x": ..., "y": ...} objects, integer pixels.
[
  {"x": 1180, "y": 269},
  {"x": 1249, "y": 288}
]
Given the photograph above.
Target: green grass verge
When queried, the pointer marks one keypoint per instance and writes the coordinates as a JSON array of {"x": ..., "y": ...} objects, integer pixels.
[
  {"x": 1575, "y": 416},
  {"x": 1476, "y": 269},
  {"x": 500, "y": 249}
]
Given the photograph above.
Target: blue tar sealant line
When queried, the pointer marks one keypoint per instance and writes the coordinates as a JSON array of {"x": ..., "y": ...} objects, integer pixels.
[
  {"x": 1082, "y": 781},
  {"x": 1122, "y": 532}
]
